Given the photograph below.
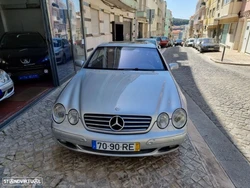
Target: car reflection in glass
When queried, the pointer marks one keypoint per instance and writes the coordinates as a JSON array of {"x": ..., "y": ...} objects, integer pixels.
[
  {"x": 123, "y": 102},
  {"x": 62, "y": 50},
  {"x": 6, "y": 85}
]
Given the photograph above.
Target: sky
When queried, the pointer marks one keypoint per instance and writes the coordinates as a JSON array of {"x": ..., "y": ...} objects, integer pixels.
[{"x": 182, "y": 8}]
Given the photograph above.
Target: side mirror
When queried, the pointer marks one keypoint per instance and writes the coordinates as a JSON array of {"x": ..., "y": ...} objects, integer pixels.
[
  {"x": 159, "y": 47},
  {"x": 79, "y": 63},
  {"x": 173, "y": 66}
]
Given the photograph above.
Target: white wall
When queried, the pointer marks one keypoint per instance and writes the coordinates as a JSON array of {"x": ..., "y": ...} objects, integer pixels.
[{"x": 24, "y": 20}]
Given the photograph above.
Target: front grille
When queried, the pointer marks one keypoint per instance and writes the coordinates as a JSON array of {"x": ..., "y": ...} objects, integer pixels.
[{"x": 132, "y": 123}]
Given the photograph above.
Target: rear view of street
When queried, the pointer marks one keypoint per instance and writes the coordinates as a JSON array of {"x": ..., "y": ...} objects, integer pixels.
[{"x": 221, "y": 91}]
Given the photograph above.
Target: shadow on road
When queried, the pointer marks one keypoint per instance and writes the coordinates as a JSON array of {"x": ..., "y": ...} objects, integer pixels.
[{"x": 226, "y": 152}]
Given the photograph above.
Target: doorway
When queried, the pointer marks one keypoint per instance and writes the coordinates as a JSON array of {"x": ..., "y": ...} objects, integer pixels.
[
  {"x": 140, "y": 30},
  {"x": 117, "y": 32},
  {"x": 246, "y": 40}
]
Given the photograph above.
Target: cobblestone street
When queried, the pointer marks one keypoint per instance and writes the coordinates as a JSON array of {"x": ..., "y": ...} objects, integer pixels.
[
  {"x": 221, "y": 91},
  {"x": 28, "y": 150}
]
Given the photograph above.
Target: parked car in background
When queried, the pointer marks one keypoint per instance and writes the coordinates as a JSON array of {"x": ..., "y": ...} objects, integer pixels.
[
  {"x": 150, "y": 40},
  {"x": 197, "y": 42},
  {"x": 178, "y": 42},
  {"x": 62, "y": 50},
  {"x": 6, "y": 85},
  {"x": 158, "y": 39},
  {"x": 189, "y": 42},
  {"x": 208, "y": 44},
  {"x": 146, "y": 105},
  {"x": 163, "y": 41},
  {"x": 24, "y": 55}
]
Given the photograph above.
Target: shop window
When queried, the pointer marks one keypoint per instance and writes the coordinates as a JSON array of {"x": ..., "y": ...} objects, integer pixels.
[{"x": 95, "y": 22}]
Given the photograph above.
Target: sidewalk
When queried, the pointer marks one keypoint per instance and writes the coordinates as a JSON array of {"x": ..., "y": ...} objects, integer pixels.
[{"x": 231, "y": 57}]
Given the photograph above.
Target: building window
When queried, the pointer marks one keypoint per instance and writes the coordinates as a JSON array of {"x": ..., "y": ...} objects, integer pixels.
[
  {"x": 106, "y": 24},
  {"x": 226, "y": 1},
  {"x": 213, "y": 12},
  {"x": 95, "y": 22}
]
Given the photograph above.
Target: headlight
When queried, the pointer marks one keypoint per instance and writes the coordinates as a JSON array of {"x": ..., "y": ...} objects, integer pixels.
[
  {"x": 73, "y": 117},
  {"x": 163, "y": 120},
  {"x": 179, "y": 118},
  {"x": 4, "y": 77},
  {"x": 45, "y": 59},
  {"x": 59, "y": 113},
  {"x": 2, "y": 61}
]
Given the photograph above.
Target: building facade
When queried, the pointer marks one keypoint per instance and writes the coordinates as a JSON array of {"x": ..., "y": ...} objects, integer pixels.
[
  {"x": 142, "y": 19},
  {"x": 244, "y": 45},
  {"x": 191, "y": 27},
  {"x": 222, "y": 22},
  {"x": 168, "y": 23},
  {"x": 109, "y": 20},
  {"x": 198, "y": 18}
]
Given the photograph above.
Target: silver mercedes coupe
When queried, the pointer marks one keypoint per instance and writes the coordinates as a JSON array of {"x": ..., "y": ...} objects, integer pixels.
[{"x": 123, "y": 102}]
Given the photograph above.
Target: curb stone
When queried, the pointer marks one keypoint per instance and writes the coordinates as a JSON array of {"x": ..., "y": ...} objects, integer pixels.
[{"x": 228, "y": 63}]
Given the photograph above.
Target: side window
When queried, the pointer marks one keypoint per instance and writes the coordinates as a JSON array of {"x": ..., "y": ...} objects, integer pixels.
[{"x": 97, "y": 60}]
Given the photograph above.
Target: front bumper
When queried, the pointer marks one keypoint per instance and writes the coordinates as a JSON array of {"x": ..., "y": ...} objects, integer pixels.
[
  {"x": 151, "y": 143},
  {"x": 6, "y": 90}
]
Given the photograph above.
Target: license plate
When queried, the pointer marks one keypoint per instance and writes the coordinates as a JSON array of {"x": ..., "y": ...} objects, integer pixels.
[
  {"x": 210, "y": 48},
  {"x": 27, "y": 77},
  {"x": 113, "y": 146}
]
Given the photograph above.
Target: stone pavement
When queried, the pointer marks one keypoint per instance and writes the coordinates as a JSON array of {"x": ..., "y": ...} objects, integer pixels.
[
  {"x": 231, "y": 57},
  {"x": 28, "y": 150}
]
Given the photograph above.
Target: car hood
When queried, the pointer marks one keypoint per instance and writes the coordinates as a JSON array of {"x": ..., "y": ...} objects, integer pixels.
[{"x": 121, "y": 92}]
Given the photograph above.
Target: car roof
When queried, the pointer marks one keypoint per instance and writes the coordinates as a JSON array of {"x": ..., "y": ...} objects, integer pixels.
[{"x": 128, "y": 44}]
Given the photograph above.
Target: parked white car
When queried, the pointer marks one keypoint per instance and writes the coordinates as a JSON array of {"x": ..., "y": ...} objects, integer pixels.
[
  {"x": 6, "y": 85},
  {"x": 62, "y": 50},
  {"x": 189, "y": 42}
]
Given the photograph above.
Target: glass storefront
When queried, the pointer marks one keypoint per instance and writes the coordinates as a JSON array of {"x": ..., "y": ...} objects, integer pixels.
[
  {"x": 66, "y": 32},
  {"x": 39, "y": 43}
]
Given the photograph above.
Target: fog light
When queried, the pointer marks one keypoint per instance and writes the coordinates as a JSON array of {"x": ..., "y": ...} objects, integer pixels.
[{"x": 46, "y": 71}]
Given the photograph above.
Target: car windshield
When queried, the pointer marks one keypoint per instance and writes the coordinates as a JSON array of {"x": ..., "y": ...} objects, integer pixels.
[
  {"x": 149, "y": 40},
  {"x": 208, "y": 41},
  {"x": 22, "y": 40},
  {"x": 57, "y": 43},
  {"x": 126, "y": 58},
  {"x": 191, "y": 41},
  {"x": 164, "y": 38}
]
